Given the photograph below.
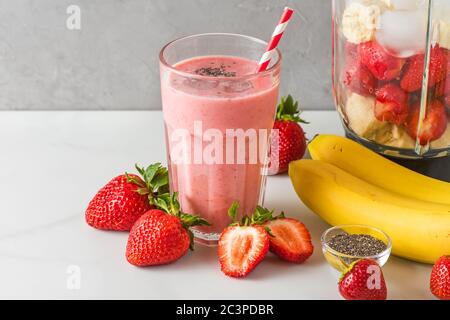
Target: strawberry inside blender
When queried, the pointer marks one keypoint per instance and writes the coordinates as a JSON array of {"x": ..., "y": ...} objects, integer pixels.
[{"x": 381, "y": 59}]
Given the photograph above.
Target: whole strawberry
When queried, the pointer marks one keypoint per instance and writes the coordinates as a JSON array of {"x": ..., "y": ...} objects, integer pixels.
[
  {"x": 440, "y": 278},
  {"x": 289, "y": 142},
  {"x": 161, "y": 236},
  {"x": 363, "y": 280},
  {"x": 125, "y": 198}
]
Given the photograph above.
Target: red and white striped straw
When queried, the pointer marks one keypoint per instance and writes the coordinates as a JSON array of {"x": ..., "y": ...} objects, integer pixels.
[{"x": 276, "y": 36}]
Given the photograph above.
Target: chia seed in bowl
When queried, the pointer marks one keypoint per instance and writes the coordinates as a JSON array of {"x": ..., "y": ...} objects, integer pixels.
[
  {"x": 344, "y": 244},
  {"x": 361, "y": 245}
]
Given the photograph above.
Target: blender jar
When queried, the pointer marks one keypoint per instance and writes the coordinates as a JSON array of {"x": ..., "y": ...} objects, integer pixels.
[{"x": 391, "y": 74}]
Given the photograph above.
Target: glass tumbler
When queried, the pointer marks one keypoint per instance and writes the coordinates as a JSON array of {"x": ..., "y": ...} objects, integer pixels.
[{"x": 218, "y": 116}]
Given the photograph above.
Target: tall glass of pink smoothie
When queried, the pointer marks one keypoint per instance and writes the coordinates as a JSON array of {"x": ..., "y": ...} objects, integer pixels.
[{"x": 218, "y": 116}]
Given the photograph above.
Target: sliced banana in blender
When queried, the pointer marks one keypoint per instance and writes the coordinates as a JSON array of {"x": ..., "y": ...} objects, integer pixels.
[
  {"x": 442, "y": 34},
  {"x": 361, "y": 118},
  {"x": 359, "y": 22}
]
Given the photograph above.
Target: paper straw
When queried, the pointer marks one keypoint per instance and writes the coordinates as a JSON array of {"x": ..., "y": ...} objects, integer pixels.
[{"x": 276, "y": 36}]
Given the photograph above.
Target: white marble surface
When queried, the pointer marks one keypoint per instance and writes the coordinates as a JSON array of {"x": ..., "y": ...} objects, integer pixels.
[{"x": 52, "y": 164}]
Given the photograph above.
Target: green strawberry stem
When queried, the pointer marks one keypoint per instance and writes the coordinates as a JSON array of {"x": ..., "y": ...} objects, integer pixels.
[
  {"x": 259, "y": 217},
  {"x": 288, "y": 110},
  {"x": 169, "y": 203},
  {"x": 155, "y": 181}
]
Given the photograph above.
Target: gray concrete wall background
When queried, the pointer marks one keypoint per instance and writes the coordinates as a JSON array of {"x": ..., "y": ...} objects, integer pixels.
[{"x": 112, "y": 62}]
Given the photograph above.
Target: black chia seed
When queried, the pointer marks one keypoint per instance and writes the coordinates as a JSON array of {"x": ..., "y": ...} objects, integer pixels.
[
  {"x": 215, "y": 72},
  {"x": 361, "y": 245}
]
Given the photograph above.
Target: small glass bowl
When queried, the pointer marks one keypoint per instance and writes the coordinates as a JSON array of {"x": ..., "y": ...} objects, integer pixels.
[{"x": 341, "y": 261}]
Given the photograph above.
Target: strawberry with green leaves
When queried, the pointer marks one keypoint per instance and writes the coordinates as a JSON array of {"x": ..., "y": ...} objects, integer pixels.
[
  {"x": 125, "y": 198},
  {"x": 242, "y": 245},
  {"x": 162, "y": 235},
  {"x": 288, "y": 142},
  {"x": 289, "y": 239}
]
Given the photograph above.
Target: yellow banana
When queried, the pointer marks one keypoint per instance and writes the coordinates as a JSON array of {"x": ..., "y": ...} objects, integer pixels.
[
  {"x": 375, "y": 169},
  {"x": 419, "y": 230}
]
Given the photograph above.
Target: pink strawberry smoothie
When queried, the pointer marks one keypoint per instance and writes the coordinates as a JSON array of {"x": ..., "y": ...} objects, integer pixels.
[{"x": 221, "y": 99}]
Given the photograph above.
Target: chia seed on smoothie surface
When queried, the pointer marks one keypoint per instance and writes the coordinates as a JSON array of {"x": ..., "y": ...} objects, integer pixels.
[{"x": 215, "y": 72}]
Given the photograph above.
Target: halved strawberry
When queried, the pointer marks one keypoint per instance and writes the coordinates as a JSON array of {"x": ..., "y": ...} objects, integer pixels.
[
  {"x": 433, "y": 125},
  {"x": 241, "y": 249},
  {"x": 242, "y": 246},
  {"x": 413, "y": 74},
  {"x": 382, "y": 65},
  {"x": 290, "y": 239},
  {"x": 358, "y": 78},
  {"x": 391, "y": 104}
]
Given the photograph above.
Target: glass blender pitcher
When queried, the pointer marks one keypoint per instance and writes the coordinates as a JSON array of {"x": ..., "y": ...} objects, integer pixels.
[{"x": 391, "y": 75}]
